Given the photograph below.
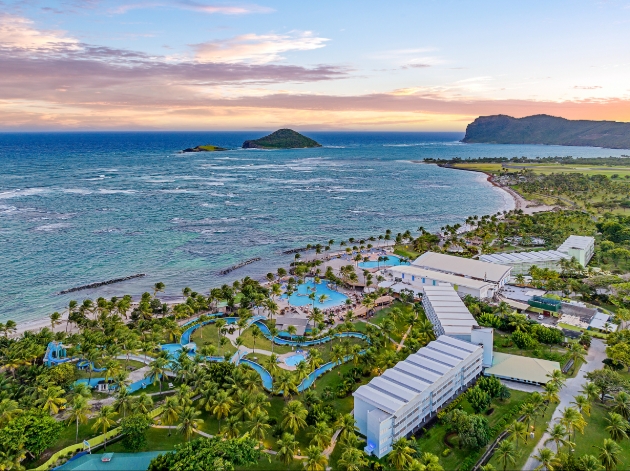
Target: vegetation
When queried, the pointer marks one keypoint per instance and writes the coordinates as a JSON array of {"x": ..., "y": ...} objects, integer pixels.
[{"x": 281, "y": 139}]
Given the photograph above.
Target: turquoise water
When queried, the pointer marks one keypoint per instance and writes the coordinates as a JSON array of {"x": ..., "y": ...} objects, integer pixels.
[
  {"x": 78, "y": 208},
  {"x": 300, "y": 296},
  {"x": 293, "y": 360},
  {"x": 392, "y": 261}
]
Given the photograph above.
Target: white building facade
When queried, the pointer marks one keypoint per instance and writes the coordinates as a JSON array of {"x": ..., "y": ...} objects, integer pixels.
[
  {"x": 521, "y": 262},
  {"x": 403, "y": 398},
  {"x": 580, "y": 247}
]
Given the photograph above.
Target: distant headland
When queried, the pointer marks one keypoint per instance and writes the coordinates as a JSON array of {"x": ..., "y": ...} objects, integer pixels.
[
  {"x": 281, "y": 139},
  {"x": 549, "y": 130}
]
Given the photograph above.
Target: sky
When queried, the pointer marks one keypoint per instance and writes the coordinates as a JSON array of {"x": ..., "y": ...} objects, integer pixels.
[{"x": 422, "y": 65}]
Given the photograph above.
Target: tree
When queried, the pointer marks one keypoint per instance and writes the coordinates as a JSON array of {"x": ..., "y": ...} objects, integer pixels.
[
  {"x": 104, "y": 421},
  {"x": 590, "y": 390},
  {"x": 124, "y": 402},
  {"x": 621, "y": 404},
  {"x": 315, "y": 459},
  {"x": 609, "y": 454},
  {"x": 547, "y": 459},
  {"x": 607, "y": 381},
  {"x": 294, "y": 416},
  {"x": 221, "y": 405},
  {"x": 401, "y": 455},
  {"x": 518, "y": 430},
  {"x": 231, "y": 429},
  {"x": 346, "y": 426},
  {"x": 478, "y": 399},
  {"x": 583, "y": 404},
  {"x": 259, "y": 425},
  {"x": 620, "y": 354},
  {"x": 51, "y": 400},
  {"x": 589, "y": 463},
  {"x": 352, "y": 459},
  {"x": 506, "y": 452},
  {"x": 8, "y": 411},
  {"x": 189, "y": 421},
  {"x": 157, "y": 369},
  {"x": 170, "y": 412},
  {"x": 572, "y": 420},
  {"x": 78, "y": 414},
  {"x": 616, "y": 427},
  {"x": 134, "y": 430},
  {"x": 287, "y": 447},
  {"x": 557, "y": 434},
  {"x": 321, "y": 435},
  {"x": 35, "y": 430}
]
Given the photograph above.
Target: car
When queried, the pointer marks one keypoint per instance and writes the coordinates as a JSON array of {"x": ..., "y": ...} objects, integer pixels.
[{"x": 540, "y": 317}]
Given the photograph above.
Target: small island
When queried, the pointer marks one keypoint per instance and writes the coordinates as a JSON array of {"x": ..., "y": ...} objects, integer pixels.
[
  {"x": 281, "y": 139},
  {"x": 207, "y": 148}
]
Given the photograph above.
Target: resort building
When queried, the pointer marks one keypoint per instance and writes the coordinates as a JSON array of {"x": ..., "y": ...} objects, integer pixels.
[
  {"x": 467, "y": 276},
  {"x": 521, "y": 262},
  {"x": 580, "y": 247},
  {"x": 405, "y": 397},
  {"x": 521, "y": 369}
]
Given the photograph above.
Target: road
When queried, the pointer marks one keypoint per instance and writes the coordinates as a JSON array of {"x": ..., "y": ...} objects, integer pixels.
[{"x": 594, "y": 361}]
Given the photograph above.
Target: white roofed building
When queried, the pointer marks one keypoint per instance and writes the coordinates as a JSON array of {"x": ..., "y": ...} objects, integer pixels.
[
  {"x": 403, "y": 398},
  {"x": 521, "y": 262},
  {"x": 580, "y": 247}
]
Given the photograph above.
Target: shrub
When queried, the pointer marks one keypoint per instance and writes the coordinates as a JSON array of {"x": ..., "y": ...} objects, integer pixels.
[
  {"x": 446, "y": 452},
  {"x": 524, "y": 340},
  {"x": 478, "y": 399}
]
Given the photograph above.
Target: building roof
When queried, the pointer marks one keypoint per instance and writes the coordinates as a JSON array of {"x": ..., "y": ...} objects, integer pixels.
[
  {"x": 454, "y": 316},
  {"x": 600, "y": 320},
  {"x": 521, "y": 368},
  {"x": 399, "y": 385},
  {"x": 576, "y": 242},
  {"x": 440, "y": 276},
  {"x": 462, "y": 266},
  {"x": 524, "y": 257}
]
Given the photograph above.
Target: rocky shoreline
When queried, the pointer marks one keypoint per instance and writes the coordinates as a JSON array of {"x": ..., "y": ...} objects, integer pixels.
[{"x": 102, "y": 283}]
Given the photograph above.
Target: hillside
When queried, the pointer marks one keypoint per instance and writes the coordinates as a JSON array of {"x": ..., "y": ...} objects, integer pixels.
[
  {"x": 206, "y": 148},
  {"x": 550, "y": 130},
  {"x": 281, "y": 139}
]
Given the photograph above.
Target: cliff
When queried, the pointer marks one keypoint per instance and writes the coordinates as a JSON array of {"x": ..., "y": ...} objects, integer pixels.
[
  {"x": 550, "y": 130},
  {"x": 281, "y": 139}
]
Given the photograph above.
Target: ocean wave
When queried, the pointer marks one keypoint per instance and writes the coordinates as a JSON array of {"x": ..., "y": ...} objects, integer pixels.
[
  {"x": 19, "y": 193},
  {"x": 106, "y": 191},
  {"x": 52, "y": 227},
  {"x": 77, "y": 191}
]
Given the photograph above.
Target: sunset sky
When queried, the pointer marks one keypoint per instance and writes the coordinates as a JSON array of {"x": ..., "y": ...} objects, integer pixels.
[{"x": 321, "y": 65}]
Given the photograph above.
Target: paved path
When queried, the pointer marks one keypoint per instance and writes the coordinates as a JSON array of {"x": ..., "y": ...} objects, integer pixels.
[{"x": 596, "y": 355}]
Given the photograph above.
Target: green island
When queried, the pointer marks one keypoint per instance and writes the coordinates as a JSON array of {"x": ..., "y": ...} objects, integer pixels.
[
  {"x": 548, "y": 130},
  {"x": 261, "y": 374},
  {"x": 206, "y": 148},
  {"x": 281, "y": 139}
]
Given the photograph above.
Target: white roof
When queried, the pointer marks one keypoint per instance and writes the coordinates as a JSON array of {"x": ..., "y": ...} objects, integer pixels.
[
  {"x": 399, "y": 385},
  {"x": 440, "y": 276},
  {"x": 576, "y": 242},
  {"x": 462, "y": 266},
  {"x": 600, "y": 320},
  {"x": 454, "y": 316},
  {"x": 524, "y": 257}
]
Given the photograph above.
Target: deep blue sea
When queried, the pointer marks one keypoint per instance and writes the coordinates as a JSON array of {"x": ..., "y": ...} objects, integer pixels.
[{"x": 77, "y": 208}]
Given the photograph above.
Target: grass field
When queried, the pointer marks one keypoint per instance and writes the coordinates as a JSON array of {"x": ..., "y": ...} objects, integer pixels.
[
  {"x": 401, "y": 323},
  {"x": 209, "y": 335},
  {"x": 480, "y": 167}
]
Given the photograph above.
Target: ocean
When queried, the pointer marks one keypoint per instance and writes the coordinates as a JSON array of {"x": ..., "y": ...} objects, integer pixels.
[{"x": 79, "y": 208}]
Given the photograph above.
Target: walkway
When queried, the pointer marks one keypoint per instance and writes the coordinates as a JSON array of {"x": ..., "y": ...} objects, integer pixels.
[{"x": 594, "y": 361}]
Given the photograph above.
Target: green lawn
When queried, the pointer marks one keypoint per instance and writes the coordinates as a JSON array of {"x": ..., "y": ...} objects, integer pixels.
[
  {"x": 262, "y": 343},
  {"x": 433, "y": 440},
  {"x": 209, "y": 335},
  {"x": 594, "y": 435},
  {"x": 157, "y": 440},
  {"x": 525, "y": 449},
  {"x": 406, "y": 251},
  {"x": 501, "y": 340},
  {"x": 401, "y": 323}
]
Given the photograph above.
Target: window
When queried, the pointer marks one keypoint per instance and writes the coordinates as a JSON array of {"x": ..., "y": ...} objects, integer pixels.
[
  {"x": 403, "y": 276},
  {"x": 434, "y": 283},
  {"x": 424, "y": 280},
  {"x": 413, "y": 277}
]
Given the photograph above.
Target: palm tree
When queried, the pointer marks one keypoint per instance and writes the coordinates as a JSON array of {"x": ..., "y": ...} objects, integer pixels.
[
  {"x": 158, "y": 287},
  {"x": 231, "y": 428},
  {"x": 352, "y": 459},
  {"x": 8, "y": 411},
  {"x": 577, "y": 353},
  {"x": 104, "y": 421},
  {"x": 551, "y": 392},
  {"x": 589, "y": 463},
  {"x": 617, "y": 426},
  {"x": 547, "y": 459},
  {"x": 256, "y": 333},
  {"x": 142, "y": 403},
  {"x": 621, "y": 404},
  {"x": 157, "y": 369},
  {"x": 347, "y": 426},
  {"x": 189, "y": 421},
  {"x": 572, "y": 420},
  {"x": 285, "y": 384},
  {"x": 583, "y": 404},
  {"x": 338, "y": 354},
  {"x": 294, "y": 416},
  {"x": 221, "y": 405},
  {"x": 518, "y": 430},
  {"x": 557, "y": 377},
  {"x": 401, "y": 455},
  {"x": 170, "y": 412},
  {"x": 55, "y": 320},
  {"x": 557, "y": 434},
  {"x": 51, "y": 400},
  {"x": 259, "y": 426},
  {"x": 124, "y": 401},
  {"x": 609, "y": 454},
  {"x": 506, "y": 452},
  {"x": 315, "y": 460},
  {"x": 591, "y": 391},
  {"x": 287, "y": 447},
  {"x": 321, "y": 435},
  {"x": 78, "y": 413}
]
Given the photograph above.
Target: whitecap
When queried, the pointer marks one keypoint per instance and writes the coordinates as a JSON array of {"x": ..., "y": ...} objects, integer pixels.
[
  {"x": 52, "y": 227},
  {"x": 18, "y": 193}
]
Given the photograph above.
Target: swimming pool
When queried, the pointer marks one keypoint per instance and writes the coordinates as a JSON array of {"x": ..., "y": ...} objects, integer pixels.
[
  {"x": 300, "y": 297},
  {"x": 392, "y": 261},
  {"x": 293, "y": 360}
]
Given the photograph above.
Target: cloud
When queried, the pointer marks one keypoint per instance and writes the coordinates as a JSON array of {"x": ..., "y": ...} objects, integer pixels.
[
  {"x": 19, "y": 33},
  {"x": 586, "y": 87},
  {"x": 257, "y": 49},
  {"x": 195, "y": 6}
]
